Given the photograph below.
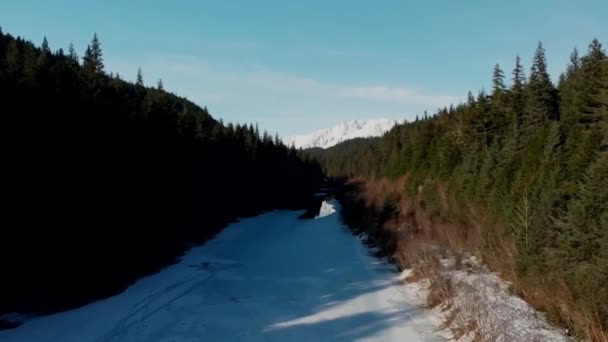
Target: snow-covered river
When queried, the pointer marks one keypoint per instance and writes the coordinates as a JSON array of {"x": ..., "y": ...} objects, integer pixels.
[{"x": 270, "y": 278}]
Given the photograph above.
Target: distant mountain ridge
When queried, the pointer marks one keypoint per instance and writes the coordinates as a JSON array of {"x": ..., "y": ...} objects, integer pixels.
[{"x": 343, "y": 131}]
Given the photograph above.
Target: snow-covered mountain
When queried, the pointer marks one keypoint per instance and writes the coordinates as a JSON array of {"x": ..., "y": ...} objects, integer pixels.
[{"x": 328, "y": 137}]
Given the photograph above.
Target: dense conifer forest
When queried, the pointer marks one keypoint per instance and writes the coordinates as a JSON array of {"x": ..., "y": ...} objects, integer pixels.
[
  {"x": 532, "y": 154},
  {"x": 107, "y": 180}
]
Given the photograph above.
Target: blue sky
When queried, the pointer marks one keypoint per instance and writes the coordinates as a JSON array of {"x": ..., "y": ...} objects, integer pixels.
[{"x": 295, "y": 66}]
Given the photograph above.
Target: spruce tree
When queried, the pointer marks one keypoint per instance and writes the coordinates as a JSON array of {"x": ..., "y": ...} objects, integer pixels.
[
  {"x": 277, "y": 139},
  {"x": 592, "y": 97},
  {"x": 542, "y": 96},
  {"x": 581, "y": 241},
  {"x": 470, "y": 99},
  {"x": 72, "y": 55},
  {"x": 498, "y": 81},
  {"x": 575, "y": 63},
  {"x": 596, "y": 52},
  {"x": 498, "y": 121},
  {"x": 92, "y": 61},
  {"x": 45, "y": 46},
  {"x": 517, "y": 99},
  {"x": 43, "y": 58},
  {"x": 519, "y": 77},
  {"x": 159, "y": 84},
  {"x": 140, "y": 78}
]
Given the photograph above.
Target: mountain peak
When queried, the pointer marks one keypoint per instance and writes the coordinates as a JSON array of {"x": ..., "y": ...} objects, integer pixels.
[{"x": 343, "y": 131}]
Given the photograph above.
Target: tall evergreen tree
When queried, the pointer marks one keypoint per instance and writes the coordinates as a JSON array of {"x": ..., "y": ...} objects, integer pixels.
[
  {"x": 518, "y": 97},
  {"x": 498, "y": 80},
  {"x": 140, "y": 78},
  {"x": 92, "y": 62},
  {"x": 499, "y": 115},
  {"x": 45, "y": 46},
  {"x": 596, "y": 51},
  {"x": 542, "y": 95},
  {"x": 72, "y": 55},
  {"x": 575, "y": 63},
  {"x": 519, "y": 77},
  {"x": 591, "y": 98},
  {"x": 470, "y": 99}
]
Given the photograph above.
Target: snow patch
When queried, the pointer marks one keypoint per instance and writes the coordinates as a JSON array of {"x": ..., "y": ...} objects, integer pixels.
[
  {"x": 482, "y": 297},
  {"x": 325, "y": 210}
]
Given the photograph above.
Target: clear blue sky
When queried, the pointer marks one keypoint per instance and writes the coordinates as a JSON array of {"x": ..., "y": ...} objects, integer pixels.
[{"x": 294, "y": 66}]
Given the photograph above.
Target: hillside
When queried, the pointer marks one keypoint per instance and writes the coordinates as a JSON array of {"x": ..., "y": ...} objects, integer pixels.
[
  {"x": 108, "y": 180},
  {"x": 520, "y": 177}
]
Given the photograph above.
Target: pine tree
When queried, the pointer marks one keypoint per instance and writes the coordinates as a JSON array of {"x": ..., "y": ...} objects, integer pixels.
[
  {"x": 596, "y": 52},
  {"x": 498, "y": 118},
  {"x": 159, "y": 84},
  {"x": 517, "y": 103},
  {"x": 592, "y": 96},
  {"x": 45, "y": 46},
  {"x": 140, "y": 78},
  {"x": 266, "y": 138},
  {"x": 538, "y": 73},
  {"x": 498, "y": 81},
  {"x": 277, "y": 139},
  {"x": 586, "y": 222},
  {"x": 519, "y": 77},
  {"x": 43, "y": 58},
  {"x": 92, "y": 61},
  {"x": 470, "y": 99},
  {"x": 72, "y": 55},
  {"x": 542, "y": 95},
  {"x": 575, "y": 63}
]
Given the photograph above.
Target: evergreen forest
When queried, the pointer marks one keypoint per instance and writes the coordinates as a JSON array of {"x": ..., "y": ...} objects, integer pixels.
[
  {"x": 531, "y": 153},
  {"x": 107, "y": 180}
]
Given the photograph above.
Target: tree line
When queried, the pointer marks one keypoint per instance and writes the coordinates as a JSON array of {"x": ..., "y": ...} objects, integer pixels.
[
  {"x": 106, "y": 180},
  {"x": 534, "y": 154}
]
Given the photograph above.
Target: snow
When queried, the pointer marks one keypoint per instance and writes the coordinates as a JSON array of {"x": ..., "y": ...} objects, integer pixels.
[
  {"x": 326, "y": 210},
  {"x": 328, "y": 137},
  {"x": 483, "y": 297},
  {"x": 270, "y": 278}
]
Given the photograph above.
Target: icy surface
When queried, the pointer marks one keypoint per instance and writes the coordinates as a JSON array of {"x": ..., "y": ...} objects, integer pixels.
[
  {"x": 270, "y": 278},
  {"x": 328, "y": 137}
]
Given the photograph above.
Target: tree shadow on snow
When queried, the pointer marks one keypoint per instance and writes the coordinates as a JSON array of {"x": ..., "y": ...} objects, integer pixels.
[
  {"x": 344, "y": 328},
  {"x": 325, "y": 318}
]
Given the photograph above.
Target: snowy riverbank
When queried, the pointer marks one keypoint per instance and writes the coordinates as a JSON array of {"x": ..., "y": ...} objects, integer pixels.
[{"x": 269, "y": 278}]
